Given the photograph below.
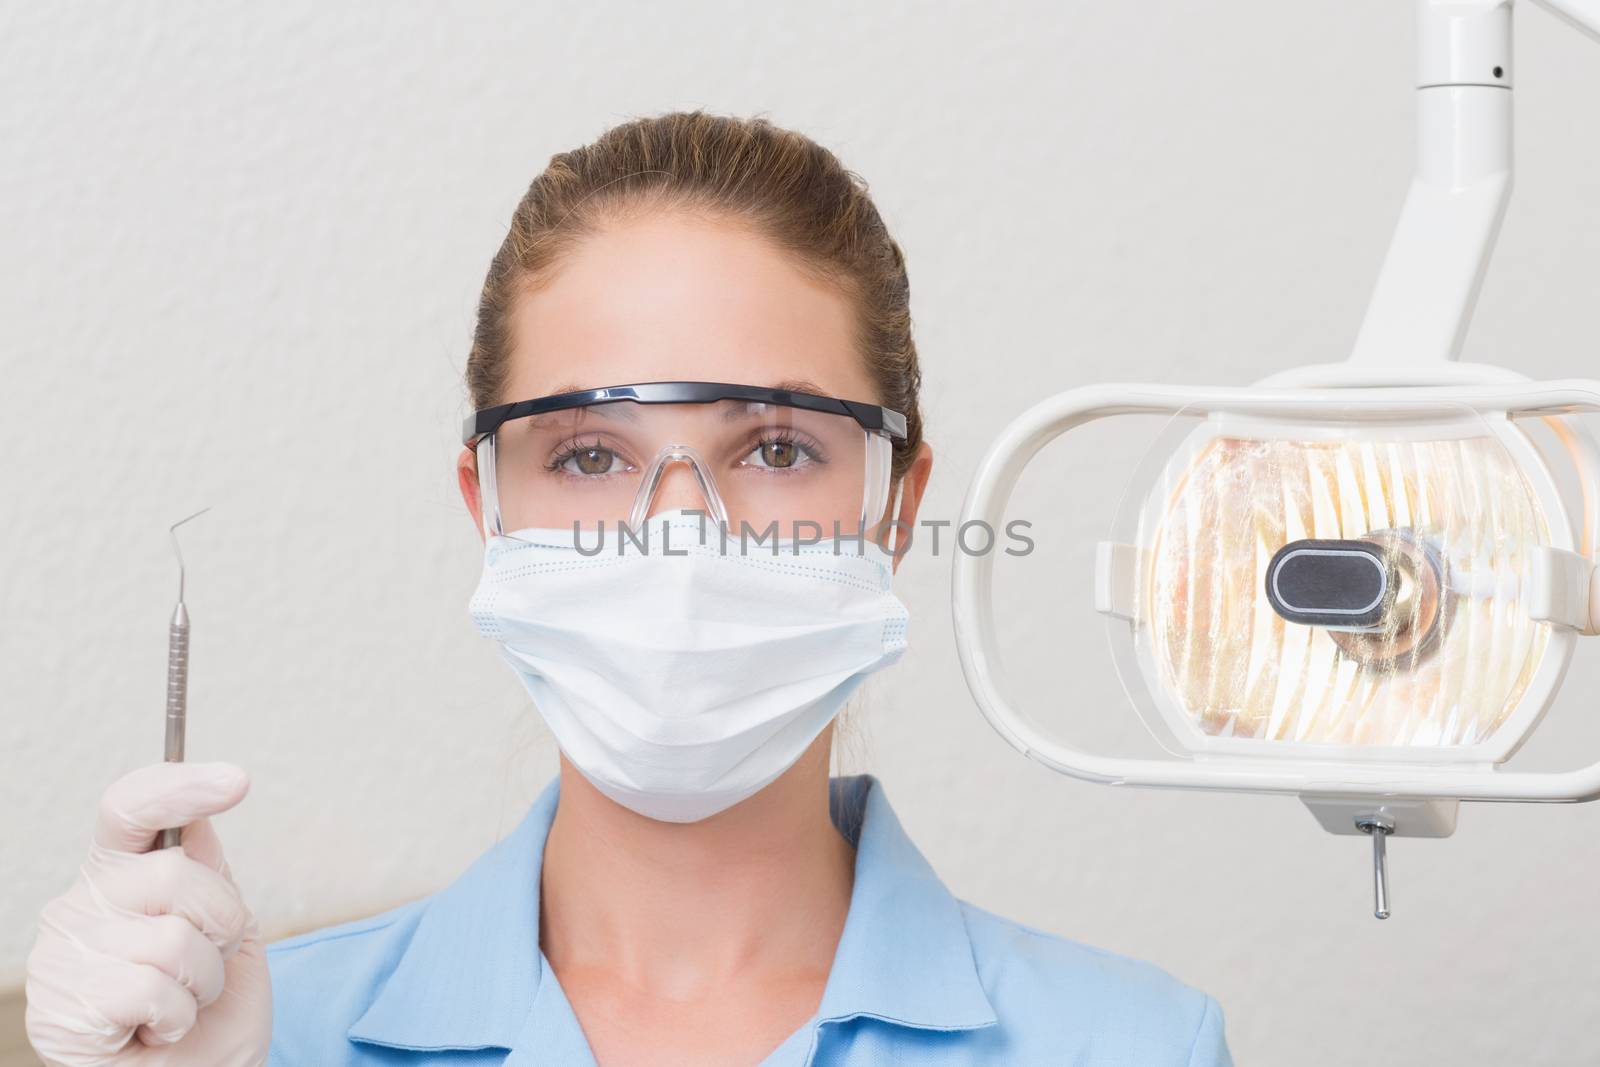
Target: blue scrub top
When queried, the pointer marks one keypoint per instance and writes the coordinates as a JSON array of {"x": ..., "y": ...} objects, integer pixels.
[{"x": 919, "y": 977}]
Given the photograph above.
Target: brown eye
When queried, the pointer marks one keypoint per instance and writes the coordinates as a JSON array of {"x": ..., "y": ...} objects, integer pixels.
[
  {"x": 778, "y": 453},
  {"x": 593, "y": 460}
]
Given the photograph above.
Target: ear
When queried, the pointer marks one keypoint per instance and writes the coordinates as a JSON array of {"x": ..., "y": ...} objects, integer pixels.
[
  {"x": 471, "y": 492},
  {"x": 912, "y": 485}
]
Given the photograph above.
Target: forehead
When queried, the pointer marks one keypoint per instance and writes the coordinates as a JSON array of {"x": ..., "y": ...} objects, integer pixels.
[{"x": 679, "y": 297}]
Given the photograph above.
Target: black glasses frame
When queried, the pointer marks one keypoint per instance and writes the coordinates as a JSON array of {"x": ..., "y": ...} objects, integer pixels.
[{"x": 872, "y": 417}]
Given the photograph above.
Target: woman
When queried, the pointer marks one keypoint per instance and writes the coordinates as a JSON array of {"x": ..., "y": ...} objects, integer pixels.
[{"x": 692, "y": 888}]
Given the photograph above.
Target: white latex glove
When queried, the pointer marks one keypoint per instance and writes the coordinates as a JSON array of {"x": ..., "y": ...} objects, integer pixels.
[{"x": 152, "y": 959}]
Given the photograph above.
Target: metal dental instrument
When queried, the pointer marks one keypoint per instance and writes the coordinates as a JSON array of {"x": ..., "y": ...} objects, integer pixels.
[{"x": 177, "y": 677}]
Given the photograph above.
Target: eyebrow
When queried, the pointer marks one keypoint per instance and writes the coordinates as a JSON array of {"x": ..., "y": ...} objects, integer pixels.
[{"x": 800, "y": 385}]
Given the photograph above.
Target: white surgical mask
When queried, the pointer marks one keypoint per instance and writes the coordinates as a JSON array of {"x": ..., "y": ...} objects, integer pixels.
[{"x": 682, "y": 683}]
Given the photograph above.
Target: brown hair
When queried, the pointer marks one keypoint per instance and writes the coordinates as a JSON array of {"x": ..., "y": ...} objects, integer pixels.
[{"x": 788, "y": 187}]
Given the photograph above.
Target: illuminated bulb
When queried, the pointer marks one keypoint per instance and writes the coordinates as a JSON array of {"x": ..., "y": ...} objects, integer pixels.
[{"x": 1455, "y": 521}]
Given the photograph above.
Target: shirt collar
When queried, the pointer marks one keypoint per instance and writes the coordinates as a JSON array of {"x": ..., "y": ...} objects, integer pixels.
[
  {"x": 904, "y": 956},
  {"x": 472, "y": 975},
  {"x": 471, "y": 971}
]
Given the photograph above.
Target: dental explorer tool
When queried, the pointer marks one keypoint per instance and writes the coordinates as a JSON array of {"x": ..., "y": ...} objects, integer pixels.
[{"x": 177, "y": 677}]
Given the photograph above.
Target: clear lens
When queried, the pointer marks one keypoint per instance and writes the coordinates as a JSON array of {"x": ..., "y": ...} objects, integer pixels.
[
  {"x": 614, "y": 463},
  {"x": 1451, "y": 522}
]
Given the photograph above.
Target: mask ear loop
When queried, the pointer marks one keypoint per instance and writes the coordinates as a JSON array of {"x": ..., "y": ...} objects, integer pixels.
[{"x": 657, "y": 470}]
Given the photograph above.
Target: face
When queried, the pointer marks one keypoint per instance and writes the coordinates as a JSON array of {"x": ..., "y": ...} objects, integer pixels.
[{"x": 675, "y": 297}]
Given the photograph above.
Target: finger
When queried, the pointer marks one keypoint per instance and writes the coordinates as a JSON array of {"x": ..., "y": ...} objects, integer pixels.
[
  {"x": 138, "y": 806},
  {"x": 123, "y": 996},
  {"x": 171, "y": 944},
  {"x": 201, "y": 844},
  {"x": 242, "y": 1016},
  {"x": 168, "y": 882}
]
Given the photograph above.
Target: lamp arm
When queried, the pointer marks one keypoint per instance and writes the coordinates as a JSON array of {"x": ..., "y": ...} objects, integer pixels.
[
  {"x": 1428, "y": 285},
  {"x": 1583, "y": 15}
]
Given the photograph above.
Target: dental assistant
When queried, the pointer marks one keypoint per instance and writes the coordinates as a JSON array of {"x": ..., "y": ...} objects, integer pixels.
[{"x": 694, "y": 315}]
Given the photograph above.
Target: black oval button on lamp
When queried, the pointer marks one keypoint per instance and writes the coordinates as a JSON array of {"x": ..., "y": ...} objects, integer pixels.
[{"x": 1332, "y": 584}]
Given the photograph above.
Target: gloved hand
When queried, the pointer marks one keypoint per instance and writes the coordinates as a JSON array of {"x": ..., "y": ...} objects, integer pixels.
[{"x": 152, "y": 959}]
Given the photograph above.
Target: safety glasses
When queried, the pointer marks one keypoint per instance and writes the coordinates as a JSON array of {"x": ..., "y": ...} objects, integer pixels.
[{"x": 753, "y": 458}]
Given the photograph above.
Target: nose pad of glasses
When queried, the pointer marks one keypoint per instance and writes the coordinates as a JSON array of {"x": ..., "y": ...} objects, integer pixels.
[{"x": 657, "y": 470}]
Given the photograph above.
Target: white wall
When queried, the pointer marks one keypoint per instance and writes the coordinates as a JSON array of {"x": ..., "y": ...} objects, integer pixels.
[{"x": 239, "y": 253}]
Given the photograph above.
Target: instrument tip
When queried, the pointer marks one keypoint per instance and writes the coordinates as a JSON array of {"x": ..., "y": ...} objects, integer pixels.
[
  {"x": 172, "y": 531},
  {"x": 196, "y": 515}
]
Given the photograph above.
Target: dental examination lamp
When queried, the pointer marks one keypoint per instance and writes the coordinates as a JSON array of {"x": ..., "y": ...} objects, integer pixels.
[{"x": 1358, "y": 583}]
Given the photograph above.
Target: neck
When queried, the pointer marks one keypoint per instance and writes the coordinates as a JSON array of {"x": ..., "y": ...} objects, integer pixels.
[{"x": 683, "y": 909}]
